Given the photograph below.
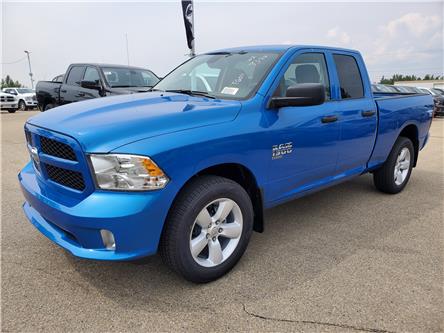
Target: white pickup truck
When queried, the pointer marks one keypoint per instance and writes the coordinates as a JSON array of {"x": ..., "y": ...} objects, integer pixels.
[
  {"x": 8, "y": 102},
  {"x": 25, "y": 96}
]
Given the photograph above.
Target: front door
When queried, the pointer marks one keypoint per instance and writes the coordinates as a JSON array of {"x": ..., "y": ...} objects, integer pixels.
[
  {"x": 304, "y": 139},
  {"x": 70, "y": 88}
]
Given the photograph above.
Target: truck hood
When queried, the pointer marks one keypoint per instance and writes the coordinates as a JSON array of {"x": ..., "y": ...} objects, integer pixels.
[
  {"x": 104, "y": 124},
  {"x": 27, "y": 95}
]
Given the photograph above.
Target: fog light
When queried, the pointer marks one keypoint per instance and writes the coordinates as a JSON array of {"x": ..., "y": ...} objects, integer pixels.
[{"x": 108, "y": 239}]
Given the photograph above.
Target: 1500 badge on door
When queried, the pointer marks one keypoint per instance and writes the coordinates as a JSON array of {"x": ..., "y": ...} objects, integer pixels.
[{"x": 278, "y": 151}]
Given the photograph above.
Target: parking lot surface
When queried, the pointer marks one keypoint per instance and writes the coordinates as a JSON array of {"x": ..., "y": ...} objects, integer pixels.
[{"x": 346, "y": 259}]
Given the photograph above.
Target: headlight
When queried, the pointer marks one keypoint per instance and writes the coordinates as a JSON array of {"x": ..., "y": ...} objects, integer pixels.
[{"x": 127, "y": 172}]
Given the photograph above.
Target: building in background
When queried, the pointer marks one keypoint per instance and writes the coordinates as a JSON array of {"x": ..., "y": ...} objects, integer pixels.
[{"x": 422, "y": 83}]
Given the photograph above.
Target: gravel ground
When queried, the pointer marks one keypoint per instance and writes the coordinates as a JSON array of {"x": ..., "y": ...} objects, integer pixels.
[{"x": 345, "y": 259}]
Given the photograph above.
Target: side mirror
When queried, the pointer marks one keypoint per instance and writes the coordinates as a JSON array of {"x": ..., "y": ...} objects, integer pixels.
[
  {"x": 90, "y": 85},
  {"x": 303, "y": 94}
]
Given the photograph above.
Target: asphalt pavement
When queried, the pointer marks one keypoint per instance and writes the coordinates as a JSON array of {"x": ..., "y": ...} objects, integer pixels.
[{"x": 346, "y": 259}]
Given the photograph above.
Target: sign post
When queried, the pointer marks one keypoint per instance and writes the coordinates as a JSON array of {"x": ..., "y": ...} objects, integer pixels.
[{"x": 188, "y": 18}]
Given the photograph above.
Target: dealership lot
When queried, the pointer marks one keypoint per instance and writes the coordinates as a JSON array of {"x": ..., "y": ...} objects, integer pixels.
[{"x": 345, "y": 259}]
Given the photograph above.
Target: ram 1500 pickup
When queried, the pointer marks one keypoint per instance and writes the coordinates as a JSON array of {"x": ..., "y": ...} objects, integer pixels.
[
  {"x": 87, "y": 81},
  {"x": 188, "y": 168}
]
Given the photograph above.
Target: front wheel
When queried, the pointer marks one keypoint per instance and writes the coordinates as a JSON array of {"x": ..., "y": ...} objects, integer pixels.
[
  {"x": 208, "y": 229},
  {"x": 12, "y": 110},
  {"x": 48, "y": 107},
  {"x": 22, "y": 105},
  {"x": 393, "y": 176}
]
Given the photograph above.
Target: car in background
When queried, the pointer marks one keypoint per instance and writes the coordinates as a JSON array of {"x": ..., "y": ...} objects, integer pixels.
[
  {"x": 408, "y": 90},
  {"x": 8, "y": 102},
  {"x": 439, "y": 91},
  {"x": 385, "y": 88},
  {"x": 382, "y": 88},
  {"x": 25, "y": 96},
  {"x": 438, "y": 99},
  {"x": 87, "y": 81}
]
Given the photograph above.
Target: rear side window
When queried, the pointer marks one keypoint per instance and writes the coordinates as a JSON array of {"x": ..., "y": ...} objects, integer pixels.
[
  {"x": 349, "y": 76},
  {"x": 75, "y": 75}
]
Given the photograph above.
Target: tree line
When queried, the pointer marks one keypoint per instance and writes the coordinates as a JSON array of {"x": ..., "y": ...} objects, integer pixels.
[
  {"x": 401, "y": 77},
  {"x": 7, "y": 82}
]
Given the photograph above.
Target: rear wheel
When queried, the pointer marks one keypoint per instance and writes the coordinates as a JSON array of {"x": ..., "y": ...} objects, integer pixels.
[
  {"x": 208, "y": 229},
  {"x": 393, "y": 176}
]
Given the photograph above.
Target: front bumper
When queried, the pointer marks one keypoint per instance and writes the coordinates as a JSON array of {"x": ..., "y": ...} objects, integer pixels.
[
  {"x": 7, "y": 105},
  {"x": 135, "y": 219}
]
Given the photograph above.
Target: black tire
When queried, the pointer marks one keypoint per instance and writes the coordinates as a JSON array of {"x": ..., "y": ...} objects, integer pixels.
[
  {"x": 175, "y": 241},
  {"x": 22, "y": 105},
  {"x": 48, "y": 106},
  {"x": 12, "y": 110},
  {"x": 384, "y": 178}
]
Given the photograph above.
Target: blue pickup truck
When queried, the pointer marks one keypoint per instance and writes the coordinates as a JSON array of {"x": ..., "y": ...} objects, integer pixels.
[{"x": 188, "y": 168}]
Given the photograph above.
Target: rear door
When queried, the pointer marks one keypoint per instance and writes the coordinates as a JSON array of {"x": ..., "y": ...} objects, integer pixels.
[
  {"x": 70, "y": 89},
  {"x": 357, "y": 112}
]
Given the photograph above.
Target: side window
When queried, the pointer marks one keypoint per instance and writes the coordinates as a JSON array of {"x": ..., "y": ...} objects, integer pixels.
[
  {"x": 75, "y": 75},
  {"x": 349, "y": 76},
  {"x": 91, "y": 74},
  {"x": 305, "y": 68}
]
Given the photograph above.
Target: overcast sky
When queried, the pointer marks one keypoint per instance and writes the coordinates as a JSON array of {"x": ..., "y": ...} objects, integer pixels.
[{"x": 394, "y": 37}]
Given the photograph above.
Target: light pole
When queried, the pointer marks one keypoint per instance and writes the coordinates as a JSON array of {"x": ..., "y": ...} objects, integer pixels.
[
  {"x": 30, "y": 70},
  {"x": 127, "y": 49}
]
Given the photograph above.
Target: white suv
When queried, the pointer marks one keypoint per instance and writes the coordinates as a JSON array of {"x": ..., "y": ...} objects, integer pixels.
[
  {"x": 25, "y": 96},
  {"x": 8, "y": 102}
]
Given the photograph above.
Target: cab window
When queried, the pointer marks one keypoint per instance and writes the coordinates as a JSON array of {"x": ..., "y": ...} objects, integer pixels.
[
  {"x": 91, "y": 74},
  {"x": 75, "y": 75},
  {"x": 305, "y": 68},
  {"x": 349, "y": 75}
]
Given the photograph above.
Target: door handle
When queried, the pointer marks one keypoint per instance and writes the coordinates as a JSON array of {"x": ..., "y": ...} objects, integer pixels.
[
  {"x": 368, "y": 113},
  {"x": 81, "y": 94},
  {"x": 63, "y": 90},
  {"x": 329, "y": 119}
]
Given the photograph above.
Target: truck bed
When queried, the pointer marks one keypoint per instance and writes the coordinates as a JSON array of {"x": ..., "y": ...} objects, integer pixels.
[{"x": 396, "y": 111}]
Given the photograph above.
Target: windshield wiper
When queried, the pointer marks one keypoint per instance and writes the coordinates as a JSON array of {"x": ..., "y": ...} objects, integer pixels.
[{"x": 191, "y": 92}]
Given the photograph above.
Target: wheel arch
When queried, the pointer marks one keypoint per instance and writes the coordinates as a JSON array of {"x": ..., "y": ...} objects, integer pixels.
[
  {"x": 244, "y": 177},
  {"x": 410, "y": 131}
]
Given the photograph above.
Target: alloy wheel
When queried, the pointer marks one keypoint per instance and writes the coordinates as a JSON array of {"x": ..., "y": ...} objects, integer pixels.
[{"x": 216, "y": 232}]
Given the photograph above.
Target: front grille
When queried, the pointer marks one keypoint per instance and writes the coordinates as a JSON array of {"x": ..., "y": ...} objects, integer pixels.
[
  {"x": 68, "y": 178},
  {"x": 57, "y": 149},
  {"x": 10, "y": 99}
]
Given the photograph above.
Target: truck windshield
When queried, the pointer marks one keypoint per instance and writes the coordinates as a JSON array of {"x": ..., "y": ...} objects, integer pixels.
[
  {"x": 24, "y": 91},
  {"x": 220, "y": 75},
  {"x": 129, "y": 77}
]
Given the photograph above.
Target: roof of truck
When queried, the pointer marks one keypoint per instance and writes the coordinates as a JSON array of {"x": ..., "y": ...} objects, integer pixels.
[
  {"x": 107, "y": 65},
  {"x": 279, "y": 48}
]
